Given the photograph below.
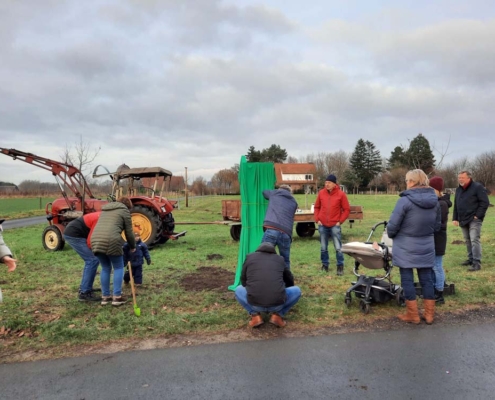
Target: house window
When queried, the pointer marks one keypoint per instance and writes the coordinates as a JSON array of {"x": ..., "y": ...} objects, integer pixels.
[{"x": 309, "y": 177}]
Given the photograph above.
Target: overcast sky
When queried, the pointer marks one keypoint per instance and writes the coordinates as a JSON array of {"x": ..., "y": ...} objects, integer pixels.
[{"x": 194, "y": 83}]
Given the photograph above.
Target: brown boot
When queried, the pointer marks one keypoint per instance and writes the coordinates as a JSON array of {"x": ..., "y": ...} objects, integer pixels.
[
  {"x": 411, "y": 314},
  {"x": 255, "y": 321},
  {"x": 277, "y": 320},
  {"x": 429, "y": 311}
]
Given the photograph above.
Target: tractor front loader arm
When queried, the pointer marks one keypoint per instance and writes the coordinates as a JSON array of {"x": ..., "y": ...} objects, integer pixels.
[{"x": 71, "y": 177}]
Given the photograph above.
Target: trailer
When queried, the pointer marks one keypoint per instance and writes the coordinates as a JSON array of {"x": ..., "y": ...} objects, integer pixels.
[{"x": 305, "y": 224}]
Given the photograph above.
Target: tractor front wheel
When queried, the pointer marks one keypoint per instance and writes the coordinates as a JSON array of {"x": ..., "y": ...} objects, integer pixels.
[
  {"x": 147, "y": 223},
  {"x": 52, "y": 239}
]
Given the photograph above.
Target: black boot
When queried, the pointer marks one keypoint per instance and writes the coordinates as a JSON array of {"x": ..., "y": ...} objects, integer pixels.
[
  {"x": 340, "y": 270},
  {"x": 475, "y": 267},
  {"x": 324, "y": 267},
  {"x": 467, "y": 262},
  {"x": 439, "y": 297}
]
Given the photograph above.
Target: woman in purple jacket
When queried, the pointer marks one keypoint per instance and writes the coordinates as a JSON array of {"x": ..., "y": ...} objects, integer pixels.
[{"x": 412, "y": 225}]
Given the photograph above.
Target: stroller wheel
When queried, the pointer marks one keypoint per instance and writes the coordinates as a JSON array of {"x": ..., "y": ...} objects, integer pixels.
[
  {"x": 399, "y": 298},
  {"x": 364, "y": 307},
  {"x": 348, "y": 301}
]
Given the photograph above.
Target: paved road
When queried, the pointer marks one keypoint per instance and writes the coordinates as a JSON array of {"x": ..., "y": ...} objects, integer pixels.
[
  {"x": 426, "y": 362},
  {"x": 19, "y": 223}
]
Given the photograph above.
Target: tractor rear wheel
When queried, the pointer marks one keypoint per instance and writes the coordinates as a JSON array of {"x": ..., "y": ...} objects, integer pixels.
[
  {"x": 52, "y": 239},
  {"x": 146, "y": 222}
]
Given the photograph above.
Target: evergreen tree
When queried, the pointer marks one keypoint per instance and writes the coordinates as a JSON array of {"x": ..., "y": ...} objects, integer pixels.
[
  {"x": 253, "y": 155},
  {"x": 274, "y": 154},
  {"x": 397, "y": 158},
  {"x": 419, "y": 155},
  {"x": 365, "y": 161}
]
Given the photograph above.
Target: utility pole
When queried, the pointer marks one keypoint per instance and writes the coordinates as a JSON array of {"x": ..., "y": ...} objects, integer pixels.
[{"x": 187, "y": 198}]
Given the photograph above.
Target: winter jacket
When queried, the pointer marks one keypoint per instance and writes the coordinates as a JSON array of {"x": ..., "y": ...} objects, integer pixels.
[
  {"x": 83, "y": 227},
  {"x": 106, "y": 237},
  {"x": 136, "y": 258},
  {"x": 331, "y": 207},
  {"x": 4, "y": 250},
  {"x": 470, "y": 202},
  {"x": 441, "y": 235},
  {"x": 281, "y": 209},
  {"x": 415, "y": 219},
  {"x": 265, "y": 277}
]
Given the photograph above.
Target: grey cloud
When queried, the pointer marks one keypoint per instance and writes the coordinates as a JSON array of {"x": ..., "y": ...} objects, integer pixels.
[{"x": 459, "y": 52}]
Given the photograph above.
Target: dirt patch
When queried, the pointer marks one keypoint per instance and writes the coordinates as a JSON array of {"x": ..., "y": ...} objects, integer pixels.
[
  {"x": 458, "y": 242},
  {"x": 214, "y": 257},
  {"x": 208, "y": 278},
  {"x": 191, "y": 248}
]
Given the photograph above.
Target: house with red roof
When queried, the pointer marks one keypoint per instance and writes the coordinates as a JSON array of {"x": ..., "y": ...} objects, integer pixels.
[{"x": 301, "y": 177}]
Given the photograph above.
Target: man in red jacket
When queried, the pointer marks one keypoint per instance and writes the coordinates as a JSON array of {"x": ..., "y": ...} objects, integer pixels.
[{"x": 331, "y": 210}]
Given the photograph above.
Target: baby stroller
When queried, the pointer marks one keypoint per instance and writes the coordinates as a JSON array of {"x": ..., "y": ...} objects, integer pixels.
[{"x": 373, "y": 255}]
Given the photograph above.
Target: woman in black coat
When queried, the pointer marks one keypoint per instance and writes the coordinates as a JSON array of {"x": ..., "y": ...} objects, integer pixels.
[{"x": 440, "y": 239}]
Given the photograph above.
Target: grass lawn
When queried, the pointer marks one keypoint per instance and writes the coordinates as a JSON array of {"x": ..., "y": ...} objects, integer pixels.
[{"x": 185, "y": 289}]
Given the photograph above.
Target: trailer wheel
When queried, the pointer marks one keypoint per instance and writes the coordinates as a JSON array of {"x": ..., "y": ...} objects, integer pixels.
[
  {"x": 52, "y": 239},
  {"x": 147, "y": 223},
  {"x": 235, "y": 232},
  {"x": 305, "y": 229}
]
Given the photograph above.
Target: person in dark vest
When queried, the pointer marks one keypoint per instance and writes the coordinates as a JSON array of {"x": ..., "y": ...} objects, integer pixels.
[
  {"x": 470, "y": 205},
  {"x": 77, "y": 233},
  {"x": 267, "y": 285},
  {"x": 279, "y": 220},
  {"x": 444, "y": 202}
]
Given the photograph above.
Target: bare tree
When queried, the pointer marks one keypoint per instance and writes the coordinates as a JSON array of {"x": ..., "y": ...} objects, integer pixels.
[
  {"x": 483, "y": 168},
  {"x": 337, "y": 163},
  {"x": 81, "y": 155}
]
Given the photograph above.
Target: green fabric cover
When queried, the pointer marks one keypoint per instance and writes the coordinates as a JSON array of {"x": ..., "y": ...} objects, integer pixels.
[{"x": 253, "y": 179}]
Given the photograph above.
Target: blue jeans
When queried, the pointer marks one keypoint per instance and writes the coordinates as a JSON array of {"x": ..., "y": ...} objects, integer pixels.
[
  {"x": 280, "y": 239},
  {"x": 407, "y": 283},
  {"x": 334, "y": 233},
  {"x": 472, "y": 233},
  {"x": 293, "y": 295},
  {"x": 80, "y": 246},
  {"x": 106, "y": 269},
  {"x": 438, "y": 275}
]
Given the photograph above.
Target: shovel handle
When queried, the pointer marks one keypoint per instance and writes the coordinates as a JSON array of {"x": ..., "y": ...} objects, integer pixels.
[{"x": 133, "y": 290}]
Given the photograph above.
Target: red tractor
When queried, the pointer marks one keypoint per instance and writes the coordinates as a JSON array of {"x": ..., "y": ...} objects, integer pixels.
[{"x": 151, "y": 214}]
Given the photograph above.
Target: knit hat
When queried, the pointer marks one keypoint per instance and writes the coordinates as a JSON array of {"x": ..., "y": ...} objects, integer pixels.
[
  {"x": 436, "y": 183},
  {"x": 331, "y": 178}
]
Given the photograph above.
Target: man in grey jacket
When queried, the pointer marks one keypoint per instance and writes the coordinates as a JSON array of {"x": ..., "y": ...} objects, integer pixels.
[
  {"x": 279, "y": 220},
  {"x": 6, "y": 255}
]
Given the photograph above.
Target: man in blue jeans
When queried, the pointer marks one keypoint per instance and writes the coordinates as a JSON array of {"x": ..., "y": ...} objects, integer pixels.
[
  {"x": 267, "y": 286},
  {"x": 279, "y": 220},
  {"x": 331, "y": 210}
]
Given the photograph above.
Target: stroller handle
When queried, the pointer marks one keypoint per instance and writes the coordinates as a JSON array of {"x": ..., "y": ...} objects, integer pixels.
[{"x": 384, "y": 223}]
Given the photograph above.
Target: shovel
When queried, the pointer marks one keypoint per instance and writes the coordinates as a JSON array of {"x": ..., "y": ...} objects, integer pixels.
[{"x": 137, "y": 310}]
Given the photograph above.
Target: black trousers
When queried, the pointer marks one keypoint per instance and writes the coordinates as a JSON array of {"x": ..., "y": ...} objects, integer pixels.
[{"x": 137, "y": 274}]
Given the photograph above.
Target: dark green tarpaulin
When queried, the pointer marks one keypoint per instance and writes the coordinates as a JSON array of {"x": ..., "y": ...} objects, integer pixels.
[{"x": 253, "y": 179}]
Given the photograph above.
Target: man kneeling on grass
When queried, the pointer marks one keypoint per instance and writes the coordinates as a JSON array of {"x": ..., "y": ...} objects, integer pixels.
[{"x": 267, "y": 286}]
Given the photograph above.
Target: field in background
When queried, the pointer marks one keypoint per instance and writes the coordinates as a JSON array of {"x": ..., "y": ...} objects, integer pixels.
[{"x": 185, "y": 289}]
